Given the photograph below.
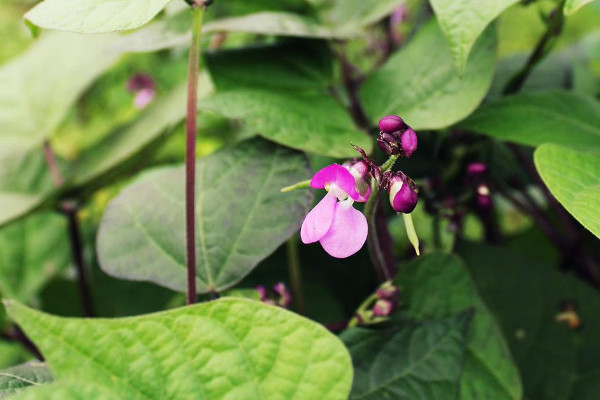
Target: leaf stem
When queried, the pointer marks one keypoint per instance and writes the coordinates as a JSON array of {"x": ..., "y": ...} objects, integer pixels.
[
  {"x": 295, "y": 273},
  {"x": 190, "y": 150}
]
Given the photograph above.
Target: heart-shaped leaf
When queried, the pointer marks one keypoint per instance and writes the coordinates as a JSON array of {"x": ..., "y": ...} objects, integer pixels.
[
  {"x": 420, "y": 83},
  {"x": 242, "y": 217},
  {"x": 225, "y": 349},
  {"x": 94, "y": 16},
  {"x": 422, "y": 361},
  {"x": 574, "y": 178},
  {"x": 560, "y": 117}
]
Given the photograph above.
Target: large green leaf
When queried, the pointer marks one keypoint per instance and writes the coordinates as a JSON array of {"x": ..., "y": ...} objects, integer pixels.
[
  {"x": 352, "y": 15},
  {"x": 439, "y": 285},
  {"x": 35, "y": 98},
  {"x": 242, "y": 217},
  {"x": 19, "y": 377},
  {"x": 574, "y": 178},
  {"x": 462, "y": 21},
  {"x": 94, "y": 16},
  {"x": 420, "y": 83},
  {"x": 556, "y": 361},
  {"x": 559, "y": 117},
  {"x": 572, "y": 6},
  {"x": 32, "y": 251},
  {"x": 417, "y": 362},
  {"x": 314, "y": 123},
  {"x": 225, "y": 349}
]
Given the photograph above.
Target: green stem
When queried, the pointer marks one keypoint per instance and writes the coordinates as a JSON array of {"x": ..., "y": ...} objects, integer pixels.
[
  {"x": 190, "y": 151},
  {"x": 295, "y": 274},
  {"x": 299, "y": 185}
]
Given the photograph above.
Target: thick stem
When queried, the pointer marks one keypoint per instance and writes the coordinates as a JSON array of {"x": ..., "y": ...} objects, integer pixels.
[
  {"x": 295, "y": 274},
  {"x": 190, "y": 151},
  {"x": 70, "y": 210}
]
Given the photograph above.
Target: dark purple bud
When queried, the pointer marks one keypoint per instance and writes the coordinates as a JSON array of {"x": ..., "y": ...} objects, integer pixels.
[
  {"x": 402, "y": 197},
  {"x": 262, "y": 291},
  {"x": 391, "y": 123},
  {"x": 383, "y": 308},
  {"x": 476, "y": 168},
  {"x": 139, "y": 82},
  {"x": 285, "y": 296},
  {"x": 387, "y": 291},
  {"x": 484, "y": 199},
  {"x": 388, "y": 143},
  {"x": 409, "y": 142}
]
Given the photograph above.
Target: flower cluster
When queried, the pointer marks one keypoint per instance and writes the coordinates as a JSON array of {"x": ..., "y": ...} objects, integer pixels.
[{"x": 334, "y": 222}]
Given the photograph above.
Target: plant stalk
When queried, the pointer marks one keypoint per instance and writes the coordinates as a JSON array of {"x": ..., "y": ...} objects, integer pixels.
[
  {"x": 190, "y": 151},
  {"x": 294, "y": 270}
]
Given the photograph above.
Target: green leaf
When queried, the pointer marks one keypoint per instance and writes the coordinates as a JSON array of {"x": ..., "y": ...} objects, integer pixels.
[
  {"x": 315, "y": 123},
  {"x": 438, "y": 286},
  {"x": 532, "y": 119},
  {"x": 352, "y": 15},
  {"x": 421, "y": 362},
  {"x": 11, "y": 353},
  {"x": 32, "y": 251},
  {"x": 35, "y": 98},
  {"x": 237, "y": 191},
  {"x": 574, "y": 179},
  {"x": 556, "y": 361},
  {"x": 225, "y": 349},
  {"x": 420, "y": 83},
  {"x": 572, "y": 6},
  {"x": 462, "y": 21},
  {"x": 94, "y": 16},
  {"x": 19, "y": 377}
]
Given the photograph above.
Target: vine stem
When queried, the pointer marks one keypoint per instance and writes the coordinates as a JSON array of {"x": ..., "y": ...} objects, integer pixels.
[
  {"x": 190, "y": 150},
  {"x": 295, "y": 274}
]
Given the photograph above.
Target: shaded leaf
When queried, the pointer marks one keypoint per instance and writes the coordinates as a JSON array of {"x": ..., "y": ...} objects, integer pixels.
[
  {"x": 574, "y": 179},
  {"x": 420, "y": 83},
  {"x": 19, "y": 377},
  {"x": 420, "y": 362},
  {"x": 94, "y": 16},
  {"x": 225, "y": 349},
  {"x": 572, "y": 6},
  {"x": 351, "y": 15},
  {"x": 532, "y": 119},
  {"x": 439, "y": 285},
  {"x": 462, "y": 21},
  {"x": 241, "y": 217}
]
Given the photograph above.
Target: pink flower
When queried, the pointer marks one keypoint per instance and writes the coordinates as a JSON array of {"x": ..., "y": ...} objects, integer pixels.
[{"x": 341, "y": 229}]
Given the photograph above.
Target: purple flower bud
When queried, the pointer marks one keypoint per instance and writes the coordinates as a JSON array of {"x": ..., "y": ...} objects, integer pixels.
[
  {"x": 391, "y": 123},
  {"x": 360, "y": 171},
  {"x": 476, "y": 168},
  {"x": 402, "y": 197},
  {"x": 139, "y": 82},
  {"x": 484, "y": 200},
  {"x": 383, "y": 308},
  {"x": 285, "y": 299},
  {"x": 387, "y": 291},
  {"x": 262, "y": 291},
  {"x": 409, "y": 142},
  {"x": 388, "y": 143}
]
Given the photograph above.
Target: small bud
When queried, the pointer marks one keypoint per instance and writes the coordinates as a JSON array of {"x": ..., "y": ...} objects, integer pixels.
[
  {"x": 388, "y": 143},
  {"x": 387, "y": 291},
  {"x": 142, "y": 85},
  {"x": 383, "y": 308},
  {"x": 285, "y": 296},
  {"x": 476, "y": 168},
  {"x": 360, "y": 171},
  {"x": 402, "y": 197},
  {"x": 408, "y": 140},
  {"x": 484, "y": 200},
  {"x": 262, "y": 291},
  {"x": 391, "y": 123}
]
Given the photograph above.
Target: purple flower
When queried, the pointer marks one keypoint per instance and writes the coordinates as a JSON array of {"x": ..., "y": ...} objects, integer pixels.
[
  {"x": 285, "y": 296},
  {"x": 476, "y": 168},
  {"x": 402, "y": 197},
  {"x": 142, "y": 85},
  {"x": 484, "y": 199},
  {"x": 341, "y": 229}
]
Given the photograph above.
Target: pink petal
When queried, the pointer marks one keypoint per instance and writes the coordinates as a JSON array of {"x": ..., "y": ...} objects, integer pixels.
[
  {"x": 337, "y": 174},
  {"x": 143, "y": 98},
  {"x": 348, "y": 232},
  {"x": 318, "y": 220}
]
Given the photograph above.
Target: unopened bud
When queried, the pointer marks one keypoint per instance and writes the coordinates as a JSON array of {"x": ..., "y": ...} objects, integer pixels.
[
  {"x": 476, "y": 168},
  {"x": 262, "y": 291},
  {"x": 402, "y": 197},
  {"x": 383, "y": 308},
  {"x": 408, "y": 140},
  {"x": 285, "y": 296},
  {"x": 391, "y": 123},
  {"x": 484, "y": 199},
  {"x": 387, "y": 291},
  {"x": 360, "y": 171}
]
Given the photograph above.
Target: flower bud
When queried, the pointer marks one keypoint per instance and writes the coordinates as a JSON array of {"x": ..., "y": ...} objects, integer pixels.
[
  {"x": 262, "y": 292},
  {"x": 391, "y": 123},
  {"x": 484, "y": 200},
  {"x": 383, "y": 308},
  {"x": 388, "y": 143},
  {"x": 387, "y": 291},
  {"x": 285, "y": 296},
  {"x": 402, "y": 197},
  {"x": 360, "y": 171},
  {"x": 476, "y": 168},
  {"x": 408, "y": 140}
]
